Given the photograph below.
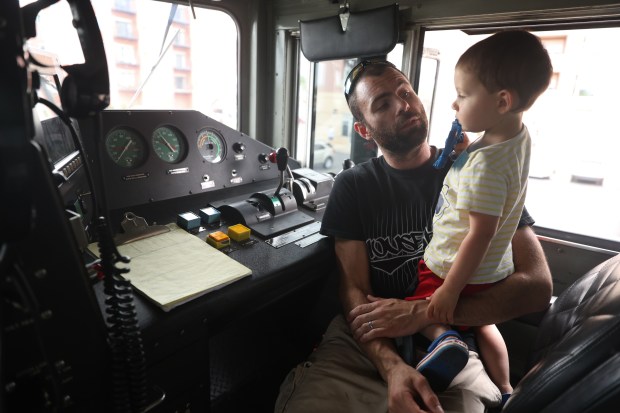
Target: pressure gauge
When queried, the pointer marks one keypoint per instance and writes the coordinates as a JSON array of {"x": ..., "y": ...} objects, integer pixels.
[
  {"x": 126, "y": 147},
  {"x": 169, "y": 144},
  {"x": 211, "y": 145}
]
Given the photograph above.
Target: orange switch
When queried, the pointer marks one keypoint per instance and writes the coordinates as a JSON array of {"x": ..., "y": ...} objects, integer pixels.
[
  {"x": 239, "y": 232},
  {"x": 218, "y": 240}
]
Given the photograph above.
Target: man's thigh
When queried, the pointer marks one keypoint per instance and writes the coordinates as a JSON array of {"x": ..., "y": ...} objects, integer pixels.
[{"x": 339, "y": 378}]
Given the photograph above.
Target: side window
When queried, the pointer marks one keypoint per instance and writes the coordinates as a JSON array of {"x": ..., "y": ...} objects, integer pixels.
[
  {"x": 329, "y": 120},
  {"x": 574, "y": 183},
  {"x": 148, "y": 70}
]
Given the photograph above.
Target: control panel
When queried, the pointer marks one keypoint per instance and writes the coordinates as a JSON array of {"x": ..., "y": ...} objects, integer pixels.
[
  {"x": 197, "y": 164},
  {"x": 150, "y": 155}
]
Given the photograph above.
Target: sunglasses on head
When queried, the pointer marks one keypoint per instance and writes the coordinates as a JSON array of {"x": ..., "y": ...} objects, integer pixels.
[{"x": 356, "y": 72}]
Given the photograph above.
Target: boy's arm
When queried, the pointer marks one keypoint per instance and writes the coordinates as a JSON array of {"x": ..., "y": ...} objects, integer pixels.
[
  {"x": 471, "y": 252},
  {"x": 505, "y": 301}
]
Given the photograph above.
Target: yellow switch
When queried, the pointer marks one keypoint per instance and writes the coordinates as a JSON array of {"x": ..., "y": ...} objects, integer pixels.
[
  {"x": 239, "y": 232},
  {"x": 218, "y": 240}
]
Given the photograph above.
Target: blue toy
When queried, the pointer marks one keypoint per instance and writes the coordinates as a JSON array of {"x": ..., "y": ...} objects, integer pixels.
[{"x": 455, "y": 136}]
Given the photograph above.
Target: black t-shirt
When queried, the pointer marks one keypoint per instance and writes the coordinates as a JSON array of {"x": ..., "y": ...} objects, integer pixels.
[{"x": 392, "y": 211}]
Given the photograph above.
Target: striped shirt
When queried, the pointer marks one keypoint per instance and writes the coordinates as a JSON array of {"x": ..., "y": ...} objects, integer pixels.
[{"x": 491, "y": 180}]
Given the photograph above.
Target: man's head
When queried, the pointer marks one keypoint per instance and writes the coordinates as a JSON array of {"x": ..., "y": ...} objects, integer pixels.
[
  {"x": 385, "y": 107},
  {"x": 513, "y": 60}
]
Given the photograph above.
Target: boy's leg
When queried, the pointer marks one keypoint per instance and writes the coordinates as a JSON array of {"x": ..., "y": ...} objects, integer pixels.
[
  {"x": 494, "y": 355},
  {"x": 339, "y": 378}
]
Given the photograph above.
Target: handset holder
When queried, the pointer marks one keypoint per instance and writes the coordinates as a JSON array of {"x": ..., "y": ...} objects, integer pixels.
[{"x": 455, "y": 136}]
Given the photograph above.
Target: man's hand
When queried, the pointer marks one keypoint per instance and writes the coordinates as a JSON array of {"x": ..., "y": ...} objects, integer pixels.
[
  {"x": 408, "y": 391},
  {"x": 442, "y": 304},
  {"x": 390, "y": 318}
]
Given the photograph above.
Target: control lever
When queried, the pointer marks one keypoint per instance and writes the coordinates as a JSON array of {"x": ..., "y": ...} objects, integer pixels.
[
  {"x": 347, "y": 164},
  {"x": 281, "y": 158}
]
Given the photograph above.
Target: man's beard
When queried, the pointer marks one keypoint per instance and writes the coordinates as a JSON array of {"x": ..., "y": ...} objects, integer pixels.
[{"x": 397, "y": 140}]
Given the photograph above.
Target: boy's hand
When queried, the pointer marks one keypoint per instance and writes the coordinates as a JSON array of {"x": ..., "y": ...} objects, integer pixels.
[
  {"x": 461, "y": 146},
  {"x": 442, "y": 305}
]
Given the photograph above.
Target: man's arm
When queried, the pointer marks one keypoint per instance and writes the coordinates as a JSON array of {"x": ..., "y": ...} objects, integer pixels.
[
  {"x": 405, "y": 384},
  {"x": 502, "y": 302},
  {"x": 505, "y": 301}
]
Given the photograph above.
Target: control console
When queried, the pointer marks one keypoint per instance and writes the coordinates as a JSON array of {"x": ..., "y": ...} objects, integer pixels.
[{"x": 184, "y": 158}]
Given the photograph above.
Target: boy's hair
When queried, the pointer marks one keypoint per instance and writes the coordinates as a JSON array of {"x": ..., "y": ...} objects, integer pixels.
[{"x": 515, "y": 60}]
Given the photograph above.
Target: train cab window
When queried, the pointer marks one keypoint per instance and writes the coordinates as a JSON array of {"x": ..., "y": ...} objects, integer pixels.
[
  {"x": 154, "y": 61},
  {"x": 329, "y": 120},
  {"x": 574, "y": 180}
]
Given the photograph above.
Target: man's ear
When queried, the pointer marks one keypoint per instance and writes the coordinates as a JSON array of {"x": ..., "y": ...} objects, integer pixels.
[
  {"x": 506, "y": 100},
  {"x": 361, "y": 130}
]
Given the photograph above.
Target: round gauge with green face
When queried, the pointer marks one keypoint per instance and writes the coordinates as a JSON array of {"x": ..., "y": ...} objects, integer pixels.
[
  {"x": 126, "y": 147},
  {"x": 211, "y": 145},
  {"x": 169, "y": 144}
]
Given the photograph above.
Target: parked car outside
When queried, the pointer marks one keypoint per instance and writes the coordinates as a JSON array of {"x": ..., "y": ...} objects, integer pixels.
[{"x": 323, "y": 155}]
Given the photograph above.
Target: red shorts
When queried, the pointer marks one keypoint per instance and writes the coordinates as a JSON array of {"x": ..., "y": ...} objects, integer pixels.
[{"x": 428, "y": 282}]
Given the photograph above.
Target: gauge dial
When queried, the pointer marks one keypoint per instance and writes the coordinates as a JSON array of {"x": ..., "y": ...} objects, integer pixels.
[
  {"x": 211, "y": 145},
  {"x": 126, "y": 147},
  {"x": 168, "y": 144}
]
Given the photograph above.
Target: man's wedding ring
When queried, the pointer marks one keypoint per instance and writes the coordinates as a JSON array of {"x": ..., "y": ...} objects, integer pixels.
[{"x": 370, "y": 326}]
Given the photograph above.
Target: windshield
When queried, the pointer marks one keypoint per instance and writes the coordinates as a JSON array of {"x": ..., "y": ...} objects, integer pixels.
[{"x": 159, "y": 55}]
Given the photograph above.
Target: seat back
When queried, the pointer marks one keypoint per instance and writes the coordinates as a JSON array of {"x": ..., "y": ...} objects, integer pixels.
[{"x": 576, "y": 358}]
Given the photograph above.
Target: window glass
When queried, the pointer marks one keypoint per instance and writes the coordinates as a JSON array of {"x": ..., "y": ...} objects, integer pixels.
[
  {"x": 333, "y": 123},
  {"x": 574, "y": 185},
  {"x": 190, "y": 65}
]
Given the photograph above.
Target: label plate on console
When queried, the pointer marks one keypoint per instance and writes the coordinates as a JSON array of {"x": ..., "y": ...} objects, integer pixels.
[{"x": 295, "y": 235}]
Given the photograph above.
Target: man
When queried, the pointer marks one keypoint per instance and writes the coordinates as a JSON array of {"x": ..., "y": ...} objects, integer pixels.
[{"x": 380, "y": 215}]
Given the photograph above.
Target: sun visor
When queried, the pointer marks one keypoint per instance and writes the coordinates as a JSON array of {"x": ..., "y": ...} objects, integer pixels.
[{"x": 350, "y": 35}]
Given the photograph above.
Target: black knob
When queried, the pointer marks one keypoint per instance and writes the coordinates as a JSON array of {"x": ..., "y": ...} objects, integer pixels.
[
  {"x": 238, "y": 147},
  {"x": 347, "y": 164}
]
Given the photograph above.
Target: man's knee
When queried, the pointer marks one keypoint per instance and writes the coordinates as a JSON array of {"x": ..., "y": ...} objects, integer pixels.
[{"x": 474, "y": 381}]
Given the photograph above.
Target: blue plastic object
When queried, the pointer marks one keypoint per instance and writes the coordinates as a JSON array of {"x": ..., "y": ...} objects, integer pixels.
[{"x": 455, "y": 136}]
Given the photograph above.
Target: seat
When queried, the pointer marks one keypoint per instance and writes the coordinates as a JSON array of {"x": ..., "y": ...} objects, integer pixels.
[{"x": 575, "y": 365}]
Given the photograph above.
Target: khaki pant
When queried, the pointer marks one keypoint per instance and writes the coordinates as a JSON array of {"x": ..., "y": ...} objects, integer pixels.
[{"x": 337, "y": 377}]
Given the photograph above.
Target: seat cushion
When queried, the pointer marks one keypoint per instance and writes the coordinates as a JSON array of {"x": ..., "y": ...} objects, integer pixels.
[{"x": 579, "y": 334}]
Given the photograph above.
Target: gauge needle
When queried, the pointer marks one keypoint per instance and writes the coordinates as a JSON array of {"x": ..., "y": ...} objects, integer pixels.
[
  {"x": 124, "y": 150},
  {"x": 167, "y": 144}
]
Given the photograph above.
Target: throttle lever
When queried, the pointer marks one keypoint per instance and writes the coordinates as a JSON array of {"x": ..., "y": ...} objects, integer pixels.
[{"x": 282, "y": 159}]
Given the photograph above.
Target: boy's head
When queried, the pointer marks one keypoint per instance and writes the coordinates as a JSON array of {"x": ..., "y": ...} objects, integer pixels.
[{"x": 514, "y": 60}]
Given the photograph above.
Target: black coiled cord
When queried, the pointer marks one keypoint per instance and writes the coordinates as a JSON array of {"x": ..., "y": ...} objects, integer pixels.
[{"x": 129, "y": 387}]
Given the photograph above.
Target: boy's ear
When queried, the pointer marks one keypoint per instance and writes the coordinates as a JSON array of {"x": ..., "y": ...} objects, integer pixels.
[{"x": 506, "y": 100}]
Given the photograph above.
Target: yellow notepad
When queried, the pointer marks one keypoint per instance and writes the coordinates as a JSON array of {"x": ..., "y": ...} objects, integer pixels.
[{"x": 175, "y": 267}]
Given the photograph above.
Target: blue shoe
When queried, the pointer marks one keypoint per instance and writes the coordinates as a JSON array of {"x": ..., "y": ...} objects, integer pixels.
[{"x": 447, "y": 356}]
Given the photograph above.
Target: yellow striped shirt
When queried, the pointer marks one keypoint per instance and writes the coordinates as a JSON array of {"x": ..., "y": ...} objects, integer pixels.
[{"x": 491, "y": 180}]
